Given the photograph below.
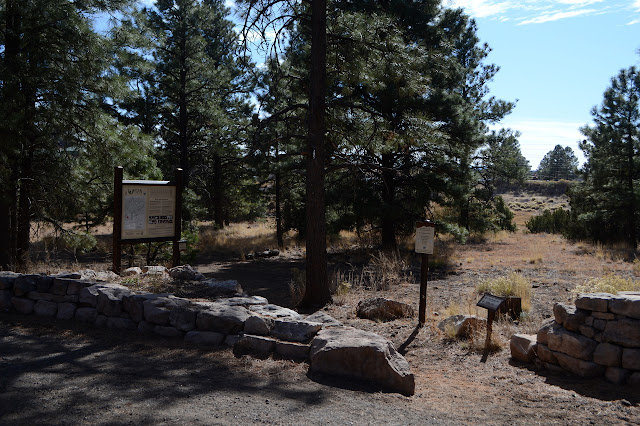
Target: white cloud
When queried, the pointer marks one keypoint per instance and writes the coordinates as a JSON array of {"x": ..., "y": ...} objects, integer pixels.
[
  {"x": 541, "y": 11},
  {"x": 481, "y": 8},
  {"x": 557, "y": 16}
]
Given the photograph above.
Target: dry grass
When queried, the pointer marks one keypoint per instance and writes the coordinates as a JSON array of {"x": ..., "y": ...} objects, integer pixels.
[
  {"x": 610, "y": 283},
  {"x": 513, "y": 284},
  {"x": 241, "y": 239}
]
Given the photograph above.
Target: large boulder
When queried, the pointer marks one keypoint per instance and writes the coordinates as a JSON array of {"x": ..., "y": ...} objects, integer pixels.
[
  {"x": 381, "y": 309},
  {"x": 349, "y": 352},
  {"x": 24, "y": 284}
]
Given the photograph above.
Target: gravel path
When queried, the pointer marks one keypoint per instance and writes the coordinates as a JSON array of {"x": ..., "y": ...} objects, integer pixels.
[{"x": 70, "y": 376}]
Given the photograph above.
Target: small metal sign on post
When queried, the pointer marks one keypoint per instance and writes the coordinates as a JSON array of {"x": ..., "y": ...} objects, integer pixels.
[
  {"x": 491, "y": 303},
  {"x": 425, "y": 234}
]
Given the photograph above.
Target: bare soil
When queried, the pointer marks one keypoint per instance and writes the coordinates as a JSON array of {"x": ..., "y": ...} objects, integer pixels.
[{"x": 63, "y": 373}]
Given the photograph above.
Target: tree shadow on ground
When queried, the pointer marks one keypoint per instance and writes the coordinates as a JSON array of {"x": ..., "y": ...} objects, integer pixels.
[
  {"x": 597, "y": 388},
  {"x": 268, "y": 278},
  {"x": 78, "y": 375}
]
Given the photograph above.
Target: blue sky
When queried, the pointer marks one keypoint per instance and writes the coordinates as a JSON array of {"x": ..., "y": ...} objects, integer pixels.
[{"x": 557, "y": 58}]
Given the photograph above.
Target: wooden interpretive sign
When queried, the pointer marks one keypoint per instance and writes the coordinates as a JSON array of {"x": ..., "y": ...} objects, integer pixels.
[
  {"x": 146, "y": 211},
  {"x": 425, "y": 234}
]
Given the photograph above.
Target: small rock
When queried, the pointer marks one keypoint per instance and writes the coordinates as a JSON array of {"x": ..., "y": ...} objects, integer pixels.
[
  {"x": 224, "y": 288},
  {"x": 462, "y": 326},
  {"x": 154, "y": 270},
  {"x": 523, "y": 347},
  {"x": 381, "y": 309},
  {"x": 134, "y": 270},
  {"x": 185, "y": 273}
]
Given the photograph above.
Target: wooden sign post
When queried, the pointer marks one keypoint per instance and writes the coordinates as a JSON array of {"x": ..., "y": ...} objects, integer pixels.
[
  {"x": 144, "y": 212},
  {"x": 425, "y": 234},
  {"x": 491, "y": 303}
]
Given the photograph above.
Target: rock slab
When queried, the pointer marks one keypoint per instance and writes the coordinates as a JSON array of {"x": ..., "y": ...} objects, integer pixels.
[{"x": 349, "y": 352}]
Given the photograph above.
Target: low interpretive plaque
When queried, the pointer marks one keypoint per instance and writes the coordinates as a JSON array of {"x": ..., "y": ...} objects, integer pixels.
[{"x": 490, "y": 302}]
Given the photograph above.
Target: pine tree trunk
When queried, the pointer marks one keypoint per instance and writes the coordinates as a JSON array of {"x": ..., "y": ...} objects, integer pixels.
[
  {"x": 388, "y": 226},
  {"x": 631, "y": 208},
  {"x": 218, "y": 201},
  {"x": 279, "y": 233},
  {"x": 5, "y": 232},
  {"x": 24, "y": 213},
  {"x": 10, "y": 137},
  {"x": 317, "y": 285}
]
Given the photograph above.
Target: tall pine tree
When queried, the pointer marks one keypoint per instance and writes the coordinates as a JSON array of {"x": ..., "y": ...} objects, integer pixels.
[{"x": 607, "y": 204}]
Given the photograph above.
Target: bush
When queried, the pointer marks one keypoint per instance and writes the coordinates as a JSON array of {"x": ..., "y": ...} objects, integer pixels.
[
  {"x": 557, "y": 221},
  {"x": 511, "y": 285},
  {"x": 610, "y": 283}
]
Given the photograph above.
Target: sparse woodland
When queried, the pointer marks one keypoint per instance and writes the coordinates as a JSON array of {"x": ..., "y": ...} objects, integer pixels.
[{"x": 355, "y": 117}]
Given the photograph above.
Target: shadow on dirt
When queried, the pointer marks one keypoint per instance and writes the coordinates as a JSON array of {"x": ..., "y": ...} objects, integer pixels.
[
  {"x": 78, "y": 375},
  {"x": 598, "y": 388},
  {"x": 265, "y": 277}
]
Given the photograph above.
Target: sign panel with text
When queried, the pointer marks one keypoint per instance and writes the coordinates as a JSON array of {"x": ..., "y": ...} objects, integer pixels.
[
  {"x": 148, "y": 210},
  {"x": 425, "y": 234}
]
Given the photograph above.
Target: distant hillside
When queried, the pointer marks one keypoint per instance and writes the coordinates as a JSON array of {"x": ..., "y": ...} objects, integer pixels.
[{"x": 538, "y": 187}]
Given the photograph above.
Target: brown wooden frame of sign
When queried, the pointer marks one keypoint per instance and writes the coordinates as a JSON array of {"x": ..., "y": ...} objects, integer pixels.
[{"x": 118, "y": 184}]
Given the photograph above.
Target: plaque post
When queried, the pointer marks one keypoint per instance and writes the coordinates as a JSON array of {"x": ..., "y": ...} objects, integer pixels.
[
  {"x": 118, "y": 173},
  {"x": 425, "y": 233}
]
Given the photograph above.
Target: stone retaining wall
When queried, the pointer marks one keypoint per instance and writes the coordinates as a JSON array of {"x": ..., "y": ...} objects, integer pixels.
[
  {"x": 599, "y": 336},
  {"x": 248, "y": 324}
]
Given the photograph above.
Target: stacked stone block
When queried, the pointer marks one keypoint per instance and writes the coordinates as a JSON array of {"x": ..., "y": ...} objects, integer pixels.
[
  {"x": 599, "y": 336},
  {"x": 250, "y": 324}
]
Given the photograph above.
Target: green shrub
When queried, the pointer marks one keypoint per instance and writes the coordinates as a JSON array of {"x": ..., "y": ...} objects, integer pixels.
[{"x": 557, "y": 221}]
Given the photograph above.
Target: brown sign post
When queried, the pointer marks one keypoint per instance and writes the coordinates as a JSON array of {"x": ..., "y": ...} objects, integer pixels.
[
  {"x": 146, "y": 211},
  {"x": 425, "y": 234},
  {"x": 491, "y": 303}
]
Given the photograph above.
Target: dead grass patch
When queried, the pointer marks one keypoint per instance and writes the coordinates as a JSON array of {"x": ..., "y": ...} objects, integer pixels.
[{"x": 610, "y": 283}]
